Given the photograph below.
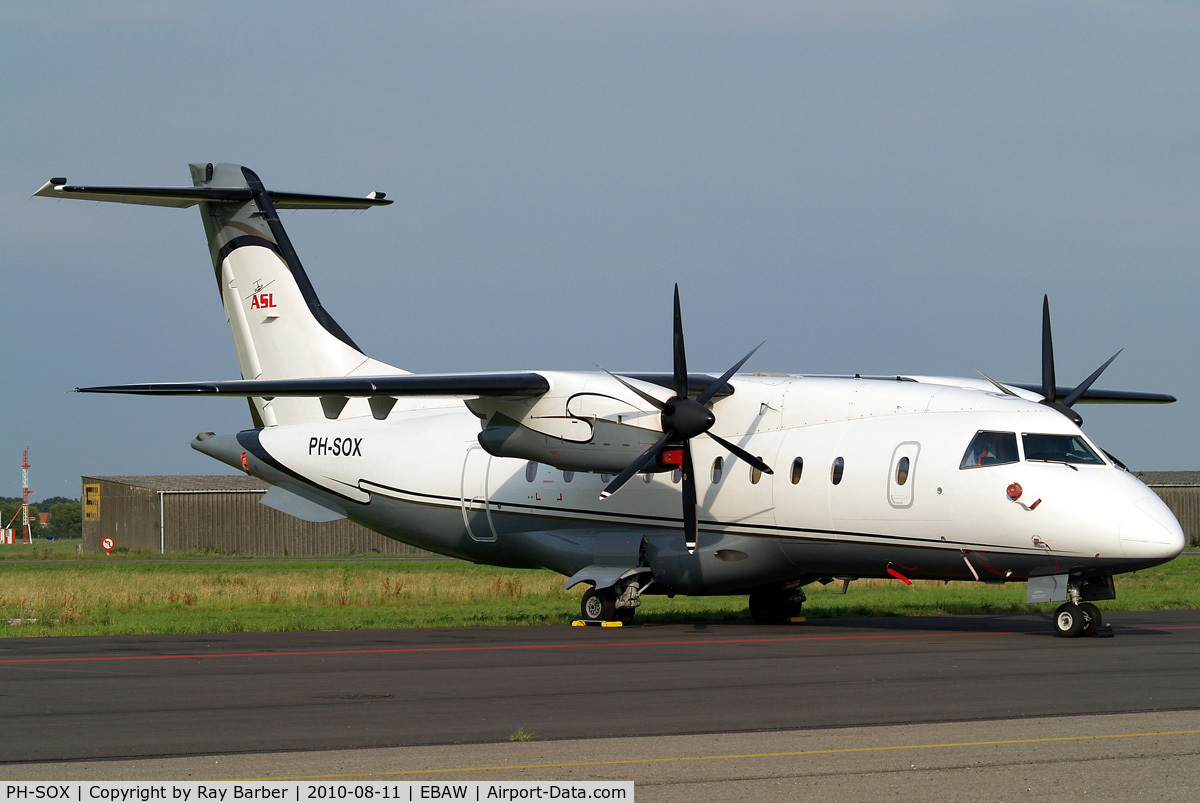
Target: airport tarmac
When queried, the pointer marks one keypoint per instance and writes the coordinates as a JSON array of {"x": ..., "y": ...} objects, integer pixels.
[
  {"x": 1148, "y": 756},
  {"x": 985, "y": 708}
]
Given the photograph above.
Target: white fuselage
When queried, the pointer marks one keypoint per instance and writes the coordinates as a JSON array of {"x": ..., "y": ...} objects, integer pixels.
[{"x": 422, "y": 477}]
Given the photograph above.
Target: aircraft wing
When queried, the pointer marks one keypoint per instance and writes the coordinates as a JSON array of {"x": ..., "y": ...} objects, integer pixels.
[
  {"x": 500, "y": 385},
  {"x": 519, "y": 385},
  {"x": 1103, "y": 396}
]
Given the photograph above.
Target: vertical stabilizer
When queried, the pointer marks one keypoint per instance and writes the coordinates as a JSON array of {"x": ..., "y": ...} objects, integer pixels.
[{"x": 280, "y": 330}]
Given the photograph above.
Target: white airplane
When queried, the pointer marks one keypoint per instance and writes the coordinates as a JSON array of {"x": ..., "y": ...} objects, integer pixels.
[{"x": 659, "y": 483}]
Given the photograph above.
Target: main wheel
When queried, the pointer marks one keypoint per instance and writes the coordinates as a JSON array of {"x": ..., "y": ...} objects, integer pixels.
[
  {"x": 599, "y": 605},
  {"x": 768, "y": 607},
  {"x": 1069, "y": 620},
  {"x": 1092, "y": 614}
]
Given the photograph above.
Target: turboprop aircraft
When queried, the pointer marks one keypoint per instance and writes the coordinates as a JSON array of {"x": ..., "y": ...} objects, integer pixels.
[{"x": 672, "y": 483}]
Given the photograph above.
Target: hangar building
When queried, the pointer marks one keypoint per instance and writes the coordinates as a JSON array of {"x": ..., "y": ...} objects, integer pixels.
[{"x": 213, "y": 512}]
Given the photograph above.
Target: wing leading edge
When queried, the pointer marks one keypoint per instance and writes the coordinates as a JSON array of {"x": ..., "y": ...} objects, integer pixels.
[{"x": 500, "y": 385}]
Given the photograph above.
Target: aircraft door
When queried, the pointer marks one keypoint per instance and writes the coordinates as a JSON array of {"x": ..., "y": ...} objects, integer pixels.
[
  {"x": 476, "y": 508},
  {"x": 902, "y": 474}
]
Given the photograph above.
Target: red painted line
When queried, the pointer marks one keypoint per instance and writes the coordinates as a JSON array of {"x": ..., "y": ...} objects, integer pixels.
[
  {"x": 494, "y": 648},
  {"x": 560, "y": 646}
]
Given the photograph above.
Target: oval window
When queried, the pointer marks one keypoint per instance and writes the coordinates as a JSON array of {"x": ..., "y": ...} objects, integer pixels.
[
  {"x": 676, "y": 476},
  {"x": 755, "y": 473},
  {"x": 797, "y": 469},
  {"x": 718, "y": 467},
  {"x": 530, "y": 471},
  {"x": 902, "y": 471},
  {"x": 647, "y": 477},
  {"x": 606, "y": 478},
  {"x": 839, "y": 466},
  {"x": 568, "y": 476}
]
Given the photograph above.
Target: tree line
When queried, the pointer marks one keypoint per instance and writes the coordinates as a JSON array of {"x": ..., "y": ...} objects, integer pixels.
[{"x": 66, "y": 516}]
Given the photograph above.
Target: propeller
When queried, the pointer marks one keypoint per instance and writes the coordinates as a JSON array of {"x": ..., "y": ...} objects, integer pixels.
[
  {"x": 1049, "y": 388},
  {"x": 683, "y": 418}
]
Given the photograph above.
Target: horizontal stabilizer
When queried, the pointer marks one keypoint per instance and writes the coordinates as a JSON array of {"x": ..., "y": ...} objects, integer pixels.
[
  {"x": 514, "y": 385},
  {"x": 183, "y": 197}
]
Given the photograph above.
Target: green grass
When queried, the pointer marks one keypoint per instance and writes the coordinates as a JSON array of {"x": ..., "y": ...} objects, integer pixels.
[
  {"x": 117, "y": 596},
  {"x": 41, "y": 550}
]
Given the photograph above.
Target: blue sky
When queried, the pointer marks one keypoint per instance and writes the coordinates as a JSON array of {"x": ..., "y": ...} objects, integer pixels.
[{"x": 871, "y": 186}]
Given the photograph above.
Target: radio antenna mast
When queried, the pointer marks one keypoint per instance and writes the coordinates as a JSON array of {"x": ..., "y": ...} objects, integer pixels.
[{"x": 28, "y": 534}]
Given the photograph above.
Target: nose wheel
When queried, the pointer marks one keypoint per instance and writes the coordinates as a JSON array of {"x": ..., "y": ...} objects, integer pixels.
[{"x": 1076, "y": 619}]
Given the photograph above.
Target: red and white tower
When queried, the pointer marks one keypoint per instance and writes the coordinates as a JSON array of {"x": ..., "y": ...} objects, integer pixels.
[{"x": 27, "y": 536}]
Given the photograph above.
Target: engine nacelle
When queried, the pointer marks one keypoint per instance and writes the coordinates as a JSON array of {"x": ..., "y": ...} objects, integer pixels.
[{"x": 583, "y": 432}]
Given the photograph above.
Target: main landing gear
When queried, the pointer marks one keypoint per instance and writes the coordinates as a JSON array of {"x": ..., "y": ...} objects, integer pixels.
[
  {"x": 1077, "y": 619},
  {"x": 612, "y": 604},
  {"x": 777, "y": 604}
]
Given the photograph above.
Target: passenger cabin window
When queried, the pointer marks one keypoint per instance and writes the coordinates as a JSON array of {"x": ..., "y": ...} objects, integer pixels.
[
  {"x": 530, "y": 471},
  {"x": 647, "y": 477},
  {"x": 902, "y": 471},
  {"x": 755, "y": 473},
  {"x": 676, "y": 476},
  {"x": 568, "y": 476},
  {"x": 718, "y": 467},
  {"x": 1059, "y": 449},
  {"x": 991, "y": 449},
  {"x": 797, "y": 469},
  {"x": 835, "y": 474}
]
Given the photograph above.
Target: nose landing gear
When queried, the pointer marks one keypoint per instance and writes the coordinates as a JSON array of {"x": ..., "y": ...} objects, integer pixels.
[{"x": 1079, "y": 619}]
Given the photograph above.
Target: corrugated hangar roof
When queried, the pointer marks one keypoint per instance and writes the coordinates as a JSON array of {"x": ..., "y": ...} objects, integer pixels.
[
  {"x": 1182, "y": 478},
  {"x": 190, "y": 483}
]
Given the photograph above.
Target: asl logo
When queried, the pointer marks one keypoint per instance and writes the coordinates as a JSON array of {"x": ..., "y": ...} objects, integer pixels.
[{"x": 262, "y": 301}]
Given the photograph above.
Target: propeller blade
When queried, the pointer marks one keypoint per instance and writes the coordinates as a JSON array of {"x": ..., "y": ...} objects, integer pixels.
[
  {"x": 742, "y": 454},
  {"x": 681, "y": 374},
  {"x": 1048, "y": 386},
  {"x": 690, "y": 524},
  {"x": 650, "y": 399},
  {"x": 636, "y": 466},
  {"x": 1074, "y": 395},
  {"x": 712, "y": 389},
  {"x": 997, "y": 384}
]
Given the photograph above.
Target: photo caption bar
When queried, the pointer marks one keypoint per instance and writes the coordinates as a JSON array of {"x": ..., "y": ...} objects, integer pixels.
[{"x": 305, "y": 791}]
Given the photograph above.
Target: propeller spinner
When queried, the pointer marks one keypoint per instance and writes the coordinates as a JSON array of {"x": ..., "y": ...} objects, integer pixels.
[{"x": 683, "y": 418}]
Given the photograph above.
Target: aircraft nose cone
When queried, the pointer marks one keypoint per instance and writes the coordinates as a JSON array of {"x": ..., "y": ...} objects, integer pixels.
[{"x": 1149, "y": 530}]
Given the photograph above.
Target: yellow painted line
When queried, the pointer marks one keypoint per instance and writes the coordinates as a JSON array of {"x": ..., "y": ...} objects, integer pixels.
[{"x": 625, "y": 761}]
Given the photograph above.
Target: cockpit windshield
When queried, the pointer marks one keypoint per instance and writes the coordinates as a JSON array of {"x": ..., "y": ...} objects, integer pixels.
[
  {"x": 991, "y": 449},
  {"x": 1059, "y": 449}
]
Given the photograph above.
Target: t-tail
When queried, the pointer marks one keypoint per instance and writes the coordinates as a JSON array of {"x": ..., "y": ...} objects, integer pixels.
[{"x": 280, "y": 330}]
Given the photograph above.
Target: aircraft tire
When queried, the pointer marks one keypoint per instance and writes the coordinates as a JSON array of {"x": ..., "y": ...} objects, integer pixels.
[
  {"x": 1092, "y": 614},
  {"x": 598, "y": 605},
  {"x": 1069, "y": 620},
  {"x": 768, "y": 607}
]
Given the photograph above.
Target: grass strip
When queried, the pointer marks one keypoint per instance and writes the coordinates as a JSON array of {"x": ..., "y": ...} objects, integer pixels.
[{"x": 117, "y": 597}]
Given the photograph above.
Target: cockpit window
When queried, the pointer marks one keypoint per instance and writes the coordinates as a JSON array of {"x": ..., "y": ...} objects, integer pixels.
[
  {"x": 991, "y": 449},
  {"x": 1059, "y": 449}
]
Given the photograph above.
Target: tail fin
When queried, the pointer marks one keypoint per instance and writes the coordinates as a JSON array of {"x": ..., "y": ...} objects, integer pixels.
[{"x": 280, "y": 330}]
